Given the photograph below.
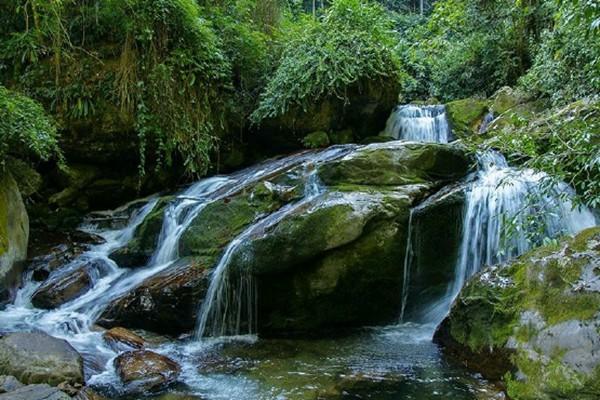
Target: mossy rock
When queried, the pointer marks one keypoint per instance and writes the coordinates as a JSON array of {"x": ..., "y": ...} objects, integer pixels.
[
  {"x": 465, "y": 116},
  {"x": 140, "y": 248},
  {"x": 342, "y": 137},
  {"x": 333, "y": 262},
  {"x": 506, "y": 98},
  {"x": 534, "y": 322},
  {"x": 28, "y": 179},
  {"x": 14, "y": 231},
  {"x": 316, "y": 140},
  {"x": 221, "y": 221},
  {"x": 395, "y": 164}
]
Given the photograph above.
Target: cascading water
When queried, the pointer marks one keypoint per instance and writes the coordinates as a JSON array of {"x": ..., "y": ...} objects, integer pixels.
[
  {"x": 507, "y": 212},
  {"x": 230, "y": 302},
  {"x": 419, "y": 123}
]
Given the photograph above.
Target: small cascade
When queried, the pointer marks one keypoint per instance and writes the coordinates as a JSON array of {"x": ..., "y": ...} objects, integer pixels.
[
  {"x": 419, "y": 123},
  {"x": 229, "y": 307},
  {"x": 507, "y": 212}
]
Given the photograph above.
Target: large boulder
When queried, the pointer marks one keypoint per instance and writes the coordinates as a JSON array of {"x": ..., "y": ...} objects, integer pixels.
[
  {"x": 14, "y": 233},
  {"x": 318, "y": 268},
  {"x": 466, "y": 115},
  {"x": 166, "y": 302},
  {"x": 40, "y": 358},
  {"x": 396, "y": 164},
  {"x": 143, "y": 371},
  {"x": 534, "y": 322}
]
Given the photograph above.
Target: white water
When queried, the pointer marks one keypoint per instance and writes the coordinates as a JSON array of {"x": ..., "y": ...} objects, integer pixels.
[
  {"x": 507, "y": 212},
  {"x": 419, "y": 123}
]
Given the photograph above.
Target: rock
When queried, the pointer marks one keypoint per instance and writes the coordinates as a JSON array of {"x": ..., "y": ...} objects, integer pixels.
[
  {"x": 140, "y": 248},
  {"x": 506, "y": 98},
  {"x": 9, "y": 383},
  {"x": 465, "y": 116},
  {"x": 342, "y": 137},
  {"x": 62, "y": 288},
  {"x": 88, "y": 394},
  {"x": 38, "y": 357},
  {"x": 35, "y": 392},
  {"x": 221, "y": 221},
  {"x": 397, "y": 163},
  {"x": 14, "y": 233},
  {"x": 316, "y": 140},
  {"x": 122, "y": 339},
  {"x": 27, "y": 178},
  {"x": 166, "y": 302},
  {"x": 436, "y": 224},
  {"x": 307, "y": 266},
  {"x": 534, "y": 322},
  {"x": 143, "y": 370}
]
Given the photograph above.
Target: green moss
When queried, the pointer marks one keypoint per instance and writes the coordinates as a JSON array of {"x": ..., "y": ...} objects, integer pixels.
[
  {"x": 316, "y": 140},
  {"x": 466, "y": 115},
  {"x": 221, "y": 221}
]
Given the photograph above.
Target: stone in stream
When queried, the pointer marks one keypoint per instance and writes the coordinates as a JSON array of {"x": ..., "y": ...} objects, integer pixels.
[
  {"x": 534, "y": 322},
  {"x": 9, "y": 383},
  {"x": 62, "y": 288},
  {"x": 35, "y": 392},
  {"x": 166, "y": 302},
  {"x": 40, "y": 358},
  {"x": 120, "y": 339},
  {"x": 143, "y": 370}
]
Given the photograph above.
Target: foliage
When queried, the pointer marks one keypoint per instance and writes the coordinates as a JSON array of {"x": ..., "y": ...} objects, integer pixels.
[
  {"x": 351, "y": 43},
  {"x": 563, "y": 143},
  {"x": 25, "y": 129},
  {"x": 567, "y": 61}
]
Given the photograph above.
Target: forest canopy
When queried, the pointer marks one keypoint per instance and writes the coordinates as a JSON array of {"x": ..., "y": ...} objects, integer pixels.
[{"x": 187, "y": 76}]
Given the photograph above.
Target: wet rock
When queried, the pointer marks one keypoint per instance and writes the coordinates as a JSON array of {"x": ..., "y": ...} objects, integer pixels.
[
  {"x": 9, "y": 383},
  {"x": 49, "y": 259},
  {"x": 143, "y": 370},
  {"x": 14, "y": 233},
  {"x": 88, "y": 394},
  {"x": 122, "y": 339},
  {"x": 166, "y": 302},
  {"x": 534, "y": 322},
  {"x": 37, "y": 357},
  {"x": 397, "y": 163},
  {"x": 318, "y": 268},
  {"x": 62, "y": 288},
  {"x": 35, "y": 392},
  {"x": 436, "y": 224},
  {"x": 140, "y": 248}
]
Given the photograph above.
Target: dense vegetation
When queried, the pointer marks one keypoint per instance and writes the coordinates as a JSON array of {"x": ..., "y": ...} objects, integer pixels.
[{"x": 189, "y": 77}]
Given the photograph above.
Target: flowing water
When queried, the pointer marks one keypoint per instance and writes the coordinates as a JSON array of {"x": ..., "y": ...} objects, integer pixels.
[
  {"x": 419, "y": 123},
  {"x": 396, "y": 362}
]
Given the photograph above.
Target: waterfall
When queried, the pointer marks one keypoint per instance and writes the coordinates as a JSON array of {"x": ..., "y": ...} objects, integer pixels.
[
  {"x": 229, "y": 307},
  {"x": 507, "y": 212},
  {"x": 419, "y": 123}
]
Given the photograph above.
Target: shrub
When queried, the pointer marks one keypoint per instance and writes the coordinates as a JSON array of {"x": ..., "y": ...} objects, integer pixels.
[{"x": 25, "y": 129}]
